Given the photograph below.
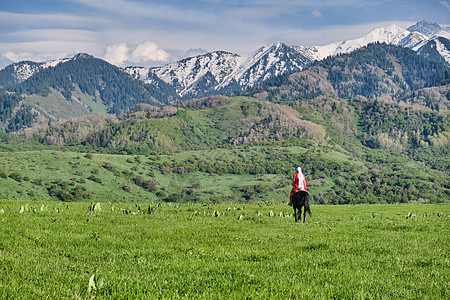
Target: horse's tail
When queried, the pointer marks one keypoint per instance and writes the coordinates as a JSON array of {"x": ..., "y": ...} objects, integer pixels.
[{"x": 307, "y": 204}]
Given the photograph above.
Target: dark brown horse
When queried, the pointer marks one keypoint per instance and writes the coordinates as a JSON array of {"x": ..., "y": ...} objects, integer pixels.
[{"x": 300, "y": 199}]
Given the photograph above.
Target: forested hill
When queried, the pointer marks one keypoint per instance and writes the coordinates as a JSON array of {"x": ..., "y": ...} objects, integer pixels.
[
  {"x": 377, "y": 70},
  {"x": 96, "y": 78},
  {"x": 227, "y": 122},
  {"x": 354, "y": 150}
]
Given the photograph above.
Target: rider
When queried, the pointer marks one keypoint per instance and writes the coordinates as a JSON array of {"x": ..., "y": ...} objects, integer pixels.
[{"x": 298, "y": 183}]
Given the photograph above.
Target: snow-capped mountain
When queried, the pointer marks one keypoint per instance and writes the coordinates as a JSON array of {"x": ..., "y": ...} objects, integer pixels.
[
  {"x": 185, "y": 75},
  {"x": 428, "y": 28},
  {"x": 216, "y": 72},
  {"x": 21, "y": 71},
  {"x": 415, "y": 37},
  {"x": 268, "y": 61},
  {"x": 393, "y": 35}
]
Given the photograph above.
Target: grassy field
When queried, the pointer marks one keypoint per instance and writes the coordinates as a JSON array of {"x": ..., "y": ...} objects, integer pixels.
[{"x": 50, "y": 250}]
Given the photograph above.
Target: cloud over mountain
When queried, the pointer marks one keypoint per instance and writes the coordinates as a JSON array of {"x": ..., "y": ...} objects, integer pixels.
[{"x": 122, "y": 53}]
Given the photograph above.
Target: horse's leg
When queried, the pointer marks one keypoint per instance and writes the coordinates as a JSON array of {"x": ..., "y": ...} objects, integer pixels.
[
  {"x": 301, "y": 207},
  {"x": 304, "y": 214},
  {"x": 295, "y": 214}
]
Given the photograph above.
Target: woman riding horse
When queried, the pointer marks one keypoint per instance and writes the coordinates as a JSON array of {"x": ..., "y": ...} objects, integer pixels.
[
  {"x": 299, "y": 196},
  {"x": 298, "y": 183}
]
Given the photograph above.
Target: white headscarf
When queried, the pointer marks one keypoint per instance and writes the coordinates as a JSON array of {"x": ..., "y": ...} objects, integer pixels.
[{"x": 301, "y": 178}]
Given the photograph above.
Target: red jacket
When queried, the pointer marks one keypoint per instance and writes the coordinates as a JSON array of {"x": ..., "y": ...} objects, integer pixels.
[{"x": 295, "y": 185}]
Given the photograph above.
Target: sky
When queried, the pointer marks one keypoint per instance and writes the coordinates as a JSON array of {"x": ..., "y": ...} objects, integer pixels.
[{"x": 156, "y": 32}]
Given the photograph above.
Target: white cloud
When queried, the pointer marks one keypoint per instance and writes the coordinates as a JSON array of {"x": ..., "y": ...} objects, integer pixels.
[
  {"x": 121, "y": 53},
  {"x": 16, "y": 57},
  {"x": 317, "y": 14},
  {"x": 40, "y": 51},
  {"x": 149, "y": 51},
  {"x": 194, "y": 52},
  {"x": 117, "y": 53}
]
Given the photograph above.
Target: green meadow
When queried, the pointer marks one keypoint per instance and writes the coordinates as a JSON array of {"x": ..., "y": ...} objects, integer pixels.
[
  {"x": 82, "y": 250},
  {"x": 213, "y": 224}
]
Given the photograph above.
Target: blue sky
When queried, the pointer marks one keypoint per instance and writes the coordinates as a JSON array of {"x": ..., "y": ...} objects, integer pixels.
[{"x": 156, "y": 32}]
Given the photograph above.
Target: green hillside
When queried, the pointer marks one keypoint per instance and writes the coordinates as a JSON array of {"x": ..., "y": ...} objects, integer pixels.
[{"x": 221, "y": 149}]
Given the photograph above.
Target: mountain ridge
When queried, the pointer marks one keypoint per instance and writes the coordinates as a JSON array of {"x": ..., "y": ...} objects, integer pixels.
[
  {"x": 218, "y": 71},
  {"x": 374, "y": 71},
  {"x": 268, "y": 61}
]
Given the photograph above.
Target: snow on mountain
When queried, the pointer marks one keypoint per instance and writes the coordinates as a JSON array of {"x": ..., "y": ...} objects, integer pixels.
[
  {"x": 140, "y": 73},
  {"x": 23, "y": 70},
  {"x": 443, "y": 49},
  {"x": 272, "y": 60},
  {"x": 427, "y": 28},
  {"x": 217, "y": 71},
  {"x": 393, "y": 35},
  {"x": 268, "y": 61},
  {"x": 443, "y": 33},
  {"x": 437, "y": 48},
  {"x": 310, "y": 52},
  {"x": 185, "y": 73},
  {"x": 53, "y": 63},
  {"x": 413, "y": 40}
]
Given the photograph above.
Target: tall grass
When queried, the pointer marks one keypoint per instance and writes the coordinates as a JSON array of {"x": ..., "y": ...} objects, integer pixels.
[{"x": 193, "y": 251}]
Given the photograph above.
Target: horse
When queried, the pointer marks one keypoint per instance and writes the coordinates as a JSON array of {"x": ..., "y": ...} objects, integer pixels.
[{"x": 300, "y": 199}]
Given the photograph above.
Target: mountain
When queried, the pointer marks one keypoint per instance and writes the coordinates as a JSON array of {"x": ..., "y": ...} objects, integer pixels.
[
  {"x": 437, "y": 46},
  {"x": 410, "y": 111},
  {"x": 222, "y": 72},
  {"x": 81, "y": 86},
  {"x": 428, "y": 28},
  {"x": 373, "y": 71},
  {"x": 18, "y": 72},
  {"x": 393, "y": 35},
  {"x": 370, "y": 126},
  {"x": 437, "y": 49},
  {"x": 184, "y": 75},
  {"x": 216, "y": 72},
  {"x": 414, "y": 37},
  {"x": 266, "y": 62}
]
